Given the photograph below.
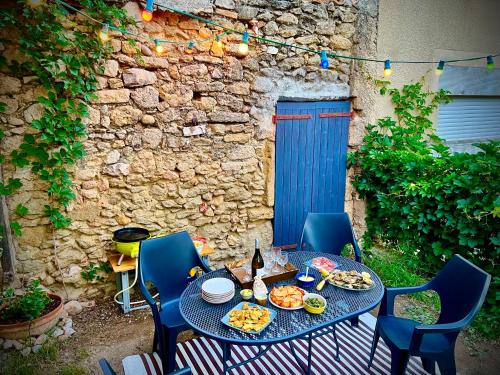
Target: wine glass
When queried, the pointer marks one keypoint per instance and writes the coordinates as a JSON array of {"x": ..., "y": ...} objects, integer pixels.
[
  {"x": 248, "y": 271},
  {"x": 283, "y": 259},
  {"x": 276, "y": 256},
  {"x": 267, "y": 255}
]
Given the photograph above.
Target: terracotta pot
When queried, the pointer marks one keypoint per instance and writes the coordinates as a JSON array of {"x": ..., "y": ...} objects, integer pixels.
[{"x": 35, "y": 327}]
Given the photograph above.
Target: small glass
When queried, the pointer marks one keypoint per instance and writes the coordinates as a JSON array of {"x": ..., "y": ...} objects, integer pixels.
[
  {"x": 267, "y": 255},
  {"x": 261, "y": 299},
  {"x": 276, "y": 257},
  {"x": 248, "y": 272},
  {"x": 283, "y": 259}
]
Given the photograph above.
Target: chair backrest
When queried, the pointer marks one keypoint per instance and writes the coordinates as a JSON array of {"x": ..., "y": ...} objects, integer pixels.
[
  {"x": 166, "y": 261},
  {"x": 462, "y": 288},
  {"x": 327, "y": 232}
]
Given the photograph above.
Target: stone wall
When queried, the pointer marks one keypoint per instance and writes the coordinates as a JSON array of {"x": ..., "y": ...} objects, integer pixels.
[{"x": 186, "y": 142}]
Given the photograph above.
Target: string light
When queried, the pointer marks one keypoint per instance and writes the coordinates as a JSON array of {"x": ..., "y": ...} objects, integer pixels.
[
  {"x": 490, "y": 63},
  {"x": 159, "y": 48},
  {"x": 243, "y": 47},
  {"x": 147, "y": 13},
  {"x": 219, "y": 42},
  {"x": 440, "y": 68},
  {"x": 189, "y": 49},
  {"x": 387, "y": 68},
  {"x": 324, "y": 60},
  {"x": 35, "y": 3},
  {"x": 104, "y": 33}
]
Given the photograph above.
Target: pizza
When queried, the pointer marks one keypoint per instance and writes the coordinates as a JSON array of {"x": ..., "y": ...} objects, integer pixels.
[{"x": 287, "y": 296}]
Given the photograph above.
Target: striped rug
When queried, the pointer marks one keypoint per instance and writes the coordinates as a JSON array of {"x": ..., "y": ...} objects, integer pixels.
[{"x": 204, "y": 356}]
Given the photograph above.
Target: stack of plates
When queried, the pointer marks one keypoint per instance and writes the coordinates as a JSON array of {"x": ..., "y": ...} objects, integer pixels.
[{"x": 217, "y": 290}]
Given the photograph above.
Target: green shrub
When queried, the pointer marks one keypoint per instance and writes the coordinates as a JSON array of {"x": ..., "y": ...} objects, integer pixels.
[
  {"x": 27, "y": 306},
  {"x": 420, "y": 194}
]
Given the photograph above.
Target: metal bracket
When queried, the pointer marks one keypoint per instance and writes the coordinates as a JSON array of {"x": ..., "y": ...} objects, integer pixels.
[
  {"x": 336, "y": 114},
  {"x": 290, "y": 117}
]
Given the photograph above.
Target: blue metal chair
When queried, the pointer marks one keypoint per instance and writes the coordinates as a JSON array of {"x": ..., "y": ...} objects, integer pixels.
[
  {"x": 108, "y": 370},
  {"x": 165, "y": 262},
  {"x": 462, "y": 288},
  {"x": 329, "y": 232}
]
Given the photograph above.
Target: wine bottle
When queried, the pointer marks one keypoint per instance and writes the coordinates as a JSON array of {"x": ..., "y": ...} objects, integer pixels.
[{"x": 257, "y": 261}]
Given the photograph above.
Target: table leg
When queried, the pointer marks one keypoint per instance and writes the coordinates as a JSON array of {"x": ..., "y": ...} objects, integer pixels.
[
  {"x": 309, "y": 352},
  {"x": 126, "y": 294},
  {"x": 337, "y": 347},
  {"x": 226, "y": 354}
]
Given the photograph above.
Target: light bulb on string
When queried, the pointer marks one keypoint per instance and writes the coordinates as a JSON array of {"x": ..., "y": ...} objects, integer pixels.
[
  {"x": 189, "y": 49},
  {"x": 243, "y": 47},
  {"x": 158, "y": 47},
  {"x": 490, "y": 63},
  {"x": 440, "y": 68},
  {"x": 147, "y": 12},
  {"x": 324, "y": 60},
  {"x": 387, "y": 68},
  {"x": 219, "y": 42},
  {"x": 35, "y": 3},
  {"x": 104, "y": 33}
]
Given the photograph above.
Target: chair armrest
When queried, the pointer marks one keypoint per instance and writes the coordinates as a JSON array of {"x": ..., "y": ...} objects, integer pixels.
[
  {"x": 145, "y": 293},
  {"x": 420, "y": 331},
  {"x": 357, "y": 251},
  {"x": 106, "y": 367},
  {"x": 387, "y": 305}
]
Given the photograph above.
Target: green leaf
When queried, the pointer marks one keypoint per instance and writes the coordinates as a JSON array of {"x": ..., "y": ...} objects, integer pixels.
[
  {"x": 16, "y": 228},
  {"x": 21, "y": 210}
]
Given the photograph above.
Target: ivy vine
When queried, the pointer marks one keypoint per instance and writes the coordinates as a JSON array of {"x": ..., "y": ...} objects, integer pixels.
[{"x": 63, "y": 51}]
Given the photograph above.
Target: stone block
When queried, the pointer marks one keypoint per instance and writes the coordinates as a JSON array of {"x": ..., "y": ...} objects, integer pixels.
[
  {"x": 238, "y": 137},
  {"x": 152, "y": 137},
  {"x": 239, "y": 88},
  {"x": 146, "y": 97},
  {"x": 288, "y": 19},
  {"x": 340, "y": 42},
  {"x": 226, "y": 4},
  {"x": 224, "y": 117},
  {"x": 33, "y": 112},
  {"x": 11, "y": 105},
  {"x": 154, "y": 62},
  {"x": 260, "y": 213},
  {"x": 111, "y": 68},
  {"x": 10, "y": 85},
  {"x": 125, "y": 115},
  {"x": 241, "y": 153},
  {"x": 135, "y": 77},
  {"x": 208, "y": 86},
  {"x": 112, "y": 96}
]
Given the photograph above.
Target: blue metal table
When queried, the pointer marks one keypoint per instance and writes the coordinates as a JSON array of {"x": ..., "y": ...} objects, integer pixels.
[{"x": 205, "y": 318}]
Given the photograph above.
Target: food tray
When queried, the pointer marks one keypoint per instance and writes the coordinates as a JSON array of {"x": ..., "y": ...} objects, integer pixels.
[
  {"x": 353, "y": 289},
  {"x": 239, "y": 306},
  {"x": 286, "y": 273}
]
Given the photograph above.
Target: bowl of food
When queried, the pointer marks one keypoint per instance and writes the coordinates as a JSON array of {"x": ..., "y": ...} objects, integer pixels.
[
  {"x": 246, "y": 294},
  {"x": 314, "y": 303},
  {"x": 305, "y": 281}
]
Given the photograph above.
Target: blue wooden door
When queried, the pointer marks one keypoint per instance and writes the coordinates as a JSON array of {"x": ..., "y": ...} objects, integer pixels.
[{"x": 311, "y": 153}]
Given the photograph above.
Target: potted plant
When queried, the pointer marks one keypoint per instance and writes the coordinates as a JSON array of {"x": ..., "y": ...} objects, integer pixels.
[{"x": 29, "y": 314}]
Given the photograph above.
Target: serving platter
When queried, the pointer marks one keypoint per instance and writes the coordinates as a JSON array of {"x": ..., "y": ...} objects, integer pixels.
[
  {"x": 239, "y": 306},
  {"x": 290, "y": 308}
]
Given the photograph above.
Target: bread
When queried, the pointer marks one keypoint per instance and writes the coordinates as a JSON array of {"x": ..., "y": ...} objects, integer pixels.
[{"x": 287, "y": 296}]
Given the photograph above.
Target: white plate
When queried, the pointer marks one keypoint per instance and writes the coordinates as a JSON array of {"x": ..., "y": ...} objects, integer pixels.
[
  {"x": 218, "y": 301},
  {"x": 290, "y": 308},
  {"x": 217, "y": 286}
]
